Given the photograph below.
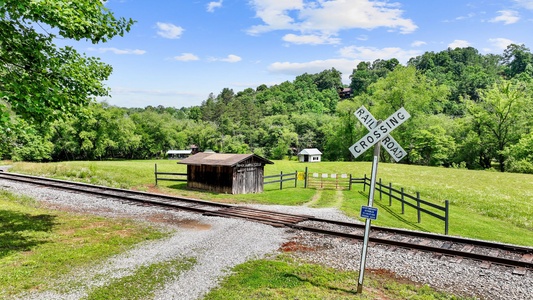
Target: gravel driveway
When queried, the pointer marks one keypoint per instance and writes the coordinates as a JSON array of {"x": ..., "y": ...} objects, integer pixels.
[{"x": 218, "y": 244}]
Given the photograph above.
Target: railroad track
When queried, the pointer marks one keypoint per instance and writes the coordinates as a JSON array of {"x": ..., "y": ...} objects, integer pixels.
[{"x": 519, "y": 258}]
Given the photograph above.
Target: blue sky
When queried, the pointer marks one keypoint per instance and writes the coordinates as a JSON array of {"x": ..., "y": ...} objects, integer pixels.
[{"x": 180, "y": 51}]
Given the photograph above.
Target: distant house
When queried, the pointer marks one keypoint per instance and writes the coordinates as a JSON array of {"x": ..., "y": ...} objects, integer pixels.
[
  {"x": 345, "y": 93},
  {"x": 226, "y": 173},
  {"x": 310, "y": 155},
  {"x": 178, "y": 154}
]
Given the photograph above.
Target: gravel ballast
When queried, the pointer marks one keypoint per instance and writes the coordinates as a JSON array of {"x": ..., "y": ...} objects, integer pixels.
[{"x": 218, "y": 244}]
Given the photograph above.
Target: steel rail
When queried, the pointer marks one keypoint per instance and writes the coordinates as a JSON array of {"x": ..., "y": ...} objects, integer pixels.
[{"x": 290, "y": 220}]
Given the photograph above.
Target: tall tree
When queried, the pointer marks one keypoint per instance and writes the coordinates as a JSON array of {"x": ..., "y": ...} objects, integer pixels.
[
  {"x": 40, "y": 81},
  {"x": 501, "y": 116},
  {"x": 516, "y": 59}
]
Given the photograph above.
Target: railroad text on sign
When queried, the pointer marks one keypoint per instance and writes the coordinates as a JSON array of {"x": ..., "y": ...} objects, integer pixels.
[{"x": 380, "y": 132}]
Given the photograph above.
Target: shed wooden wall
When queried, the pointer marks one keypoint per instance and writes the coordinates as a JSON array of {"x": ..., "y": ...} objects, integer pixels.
[
  {"x": 247, "y": 180},
  {"x": 210, "y": 178},
  {"x": 244, "y": 178}
]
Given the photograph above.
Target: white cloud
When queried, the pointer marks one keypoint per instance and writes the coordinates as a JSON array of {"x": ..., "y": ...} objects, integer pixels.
[
  {"x": 186, "y": 57},
  {"x": 371, "y": 53},
  {"x": 230, "y": 58},
  {"x": 459, "y": 44},
  {"x": 169, "y": 30},
  {"x": 323, "y": 18},
  {"x": 527, "y": 4},
  {"x": 350, "y": 57},
  {"x": 212, "y": 5},
  {"x": 310, "y": 39},
  {"x": 118, "y": 51},
  {"x": 345, "y": 66},
  {"x": 418, "y": 43},
  {"x": 468, "y": 16},
  {"x": 500, "y": 43},
  {"x": 507, "y": 17}
]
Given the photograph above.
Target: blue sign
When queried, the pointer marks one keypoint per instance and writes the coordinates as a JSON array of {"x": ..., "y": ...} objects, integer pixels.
[{"x": 368, "y": 212}]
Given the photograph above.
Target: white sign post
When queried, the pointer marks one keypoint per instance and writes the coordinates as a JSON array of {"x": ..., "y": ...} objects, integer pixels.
[{"x": 378, "y": 135}]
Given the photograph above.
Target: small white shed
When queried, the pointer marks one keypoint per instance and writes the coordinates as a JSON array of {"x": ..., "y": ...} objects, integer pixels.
[
  {"x": 178, "y": 154},
  {"x": 310, "y": 155}
]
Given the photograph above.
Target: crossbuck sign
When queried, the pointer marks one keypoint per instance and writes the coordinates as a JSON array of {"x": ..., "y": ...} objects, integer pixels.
[
  {"x": 380, "y": 132},
  {"x": 378, "y": 135}
]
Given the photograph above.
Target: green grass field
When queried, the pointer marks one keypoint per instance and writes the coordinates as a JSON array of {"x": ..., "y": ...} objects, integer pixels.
[
  {"x": 483, "y": 204},
  {"x": 33, "y": 240}
]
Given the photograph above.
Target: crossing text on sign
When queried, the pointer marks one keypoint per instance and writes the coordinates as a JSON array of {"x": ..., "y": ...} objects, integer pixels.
[
  {"x": 380, "y": 132},
  {"x": 389, "y": 143}
]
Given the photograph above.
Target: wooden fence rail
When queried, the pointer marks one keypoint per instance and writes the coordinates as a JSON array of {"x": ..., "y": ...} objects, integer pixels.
[
  {"x": 282, "y": 178},
  {"x": 178, "y": 175},
  {"x": 409, "y": 200}
]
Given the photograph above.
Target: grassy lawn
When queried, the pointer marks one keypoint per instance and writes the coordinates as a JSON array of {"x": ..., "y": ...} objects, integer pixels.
[
  {"x": 39, "y": 245},
  {"x": 483, "y": 204},
  {"x": 285, "y": 278}
]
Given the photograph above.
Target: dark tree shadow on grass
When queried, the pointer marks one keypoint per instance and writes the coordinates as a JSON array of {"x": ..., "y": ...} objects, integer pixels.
[{"x": 17, "y": 231}]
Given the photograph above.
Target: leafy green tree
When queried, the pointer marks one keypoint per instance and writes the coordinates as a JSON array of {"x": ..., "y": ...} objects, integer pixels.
[
  {"x": 431, "y": 146},
  {"x": 463, "y": 70},
  {"x": 501, "y": 116},
  {"x": 40, "y": 81},
  {"x": 405, "y": 87},
  {"x": 341, "y": 132},
  {"x": 159, "y": 133},
  {"x": 31, "y": 145},
  {"x": 516, "y": 59},
  {"x": 520, "y": 155},
  {"x": 328, "y": 80}
]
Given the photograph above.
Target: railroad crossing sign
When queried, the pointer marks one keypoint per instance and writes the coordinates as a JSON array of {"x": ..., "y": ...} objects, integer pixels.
[
  {"x": 381, "y": 132},
  {"x": 378, "y": 134}
]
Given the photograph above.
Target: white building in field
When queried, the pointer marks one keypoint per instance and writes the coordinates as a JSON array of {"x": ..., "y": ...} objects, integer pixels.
[
  {"x": 178, "y": 154},
  {"x": 310, "y": 155}
]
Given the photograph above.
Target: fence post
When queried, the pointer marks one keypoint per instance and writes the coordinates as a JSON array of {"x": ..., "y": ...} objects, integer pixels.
[
  {"x": 418, "y": 205},
  {"x": 364, "y": 184},
  {"x": 390, "y": 193},
  {"x": 281, "y": 180},
  {"x": 446, "y": 215},
  {"x": 350, "y": 183},
  {"x": 296, "y": 178},
  {"x": 155, "y": 173},
  {"x": 403, "y": 205},
  {"x": 305, "y": 179},
  {"x": 380, "y": 190}
]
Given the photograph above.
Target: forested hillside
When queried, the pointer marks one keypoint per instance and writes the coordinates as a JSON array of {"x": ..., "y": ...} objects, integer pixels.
[{"x": 468, "y": 110}]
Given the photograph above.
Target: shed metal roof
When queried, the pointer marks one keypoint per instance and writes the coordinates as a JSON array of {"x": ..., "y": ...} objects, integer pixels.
[
  {"x": 310, "y": 151},
  {"x": 220, "y": 159}
]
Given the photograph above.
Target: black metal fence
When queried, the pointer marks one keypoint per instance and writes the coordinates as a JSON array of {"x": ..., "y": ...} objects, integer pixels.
[
  {"x": 421, "y": 206},
  {"x": 177, "y": 176},
  {"x": 282, "y": 178}
]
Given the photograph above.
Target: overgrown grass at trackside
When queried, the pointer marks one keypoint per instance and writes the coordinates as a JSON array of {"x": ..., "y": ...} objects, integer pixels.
[
  {"x": 483, "y": 204},
  {"x": 38, "y": 246},
  {"x": 285, "y": 278},
  {"x": 144, "y": 283}
]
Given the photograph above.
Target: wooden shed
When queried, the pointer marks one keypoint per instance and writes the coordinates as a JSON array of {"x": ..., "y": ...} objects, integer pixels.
[{"x": 226, "y": 173}]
